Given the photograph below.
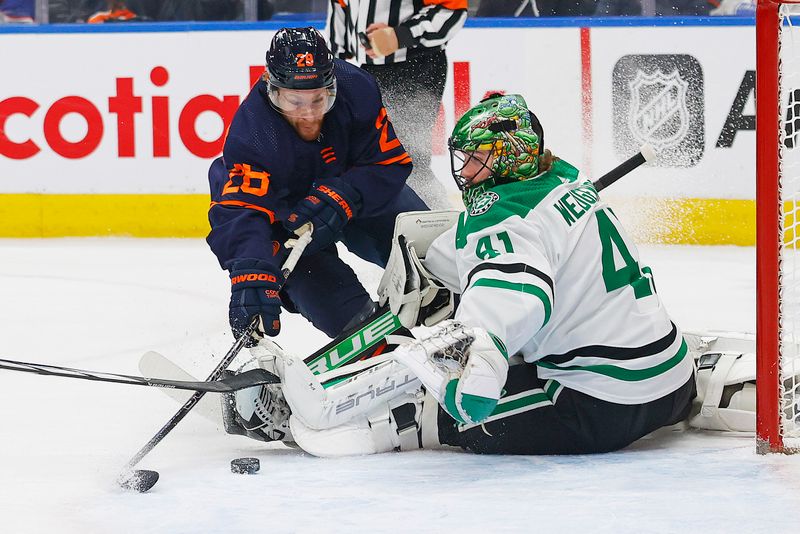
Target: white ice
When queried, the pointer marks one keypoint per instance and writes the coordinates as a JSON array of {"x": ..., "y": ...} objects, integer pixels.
[{"x": 99, "y": 303}]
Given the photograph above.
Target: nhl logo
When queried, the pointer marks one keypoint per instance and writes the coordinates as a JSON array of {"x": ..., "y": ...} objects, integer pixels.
[
  {"x": 483, "y": 203},
  {"x": 658, "y": 114},
  {"x": 658, "y": 99}
]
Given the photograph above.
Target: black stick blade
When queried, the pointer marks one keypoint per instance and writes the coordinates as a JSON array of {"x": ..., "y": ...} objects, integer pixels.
[{"x": 140, "y": 480}]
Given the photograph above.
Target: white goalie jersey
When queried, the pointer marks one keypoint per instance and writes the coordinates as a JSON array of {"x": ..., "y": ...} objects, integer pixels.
[{"x": 546, "y": 267}]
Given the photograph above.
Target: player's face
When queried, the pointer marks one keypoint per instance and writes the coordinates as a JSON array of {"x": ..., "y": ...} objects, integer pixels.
[
  {"x": 477, "y": 166},
  {"x": 304, "y": 110}
]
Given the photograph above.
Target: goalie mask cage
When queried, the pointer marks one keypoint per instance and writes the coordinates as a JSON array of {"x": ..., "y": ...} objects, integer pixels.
[{"x": 778, "y": 225}]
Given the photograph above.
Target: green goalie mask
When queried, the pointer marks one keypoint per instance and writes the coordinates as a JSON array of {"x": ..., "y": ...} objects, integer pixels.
[{"x": 504, "y": 136}]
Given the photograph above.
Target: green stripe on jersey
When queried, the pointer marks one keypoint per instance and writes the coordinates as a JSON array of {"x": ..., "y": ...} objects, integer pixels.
[
  {"x": 450, "y": 400},
  {"x": 552, "y": 388},
  {"x": 619, "y": 373},
  {"x": 528, "y": 400},
  {"x": 530, "y": 289},
  {"x": 515, "y": 198},
  {"x": 499, "y": 344}
]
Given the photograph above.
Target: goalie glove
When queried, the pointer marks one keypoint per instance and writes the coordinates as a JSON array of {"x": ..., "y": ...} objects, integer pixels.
[{"x": 464, "y": 368}]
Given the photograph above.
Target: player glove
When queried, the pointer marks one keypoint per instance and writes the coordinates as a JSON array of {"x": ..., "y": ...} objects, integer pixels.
[
  {"x": 255, "y": 285},
  {"x": 328, "y": 207}
]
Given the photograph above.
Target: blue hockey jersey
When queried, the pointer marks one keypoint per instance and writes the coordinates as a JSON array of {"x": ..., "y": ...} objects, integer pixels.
[{"x": 266, "y": 168}]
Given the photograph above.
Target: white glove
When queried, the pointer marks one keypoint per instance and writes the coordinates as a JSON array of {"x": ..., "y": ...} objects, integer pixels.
[{"x": 463, "y": 368}]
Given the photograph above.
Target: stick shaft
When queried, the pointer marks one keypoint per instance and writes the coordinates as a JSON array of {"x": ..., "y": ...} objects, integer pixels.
[
  {"x": 644, "y": 155},
  {"x": 218, "y": 386},
  {"x": 217, "y": 372},
  {"x": 195, "y": 398}
]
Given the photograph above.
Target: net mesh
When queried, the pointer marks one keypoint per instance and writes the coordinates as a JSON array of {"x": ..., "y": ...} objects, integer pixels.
[{"x": 789, "y": 175}]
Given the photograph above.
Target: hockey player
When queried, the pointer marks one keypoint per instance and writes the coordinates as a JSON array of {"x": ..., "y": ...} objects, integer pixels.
[
  {"x": 311, "y": 143},
  {"x": 548, "y": 277}
]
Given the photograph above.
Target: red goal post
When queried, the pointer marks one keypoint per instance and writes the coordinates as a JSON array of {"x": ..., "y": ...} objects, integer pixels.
[{"x": 778, "y": 225}]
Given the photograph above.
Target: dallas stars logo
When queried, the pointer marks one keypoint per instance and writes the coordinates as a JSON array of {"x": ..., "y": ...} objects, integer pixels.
[{"x": 483, "y": 203}]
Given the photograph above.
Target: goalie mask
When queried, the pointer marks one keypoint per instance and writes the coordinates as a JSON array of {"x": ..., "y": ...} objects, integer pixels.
[
  {"x": 499, "y": 138},
  {"x": 300, "y": 73}
]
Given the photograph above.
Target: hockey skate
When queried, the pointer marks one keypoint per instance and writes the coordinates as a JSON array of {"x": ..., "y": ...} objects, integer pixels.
[{"x": 259, "y": 412}]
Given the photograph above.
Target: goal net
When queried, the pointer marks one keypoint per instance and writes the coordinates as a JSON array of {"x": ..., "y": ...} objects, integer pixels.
[{"x": 778, "y": 225}]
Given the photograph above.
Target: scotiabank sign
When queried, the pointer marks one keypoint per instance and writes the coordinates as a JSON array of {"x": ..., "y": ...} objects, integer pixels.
[
  {"x": 150, "y": 121},
  {"x": 126, "y": 103},
  {"x": 122, "y": 109}
]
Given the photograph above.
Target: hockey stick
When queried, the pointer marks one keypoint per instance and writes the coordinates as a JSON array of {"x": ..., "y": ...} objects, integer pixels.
[
  {"x": 360, "y": 342},
  {"x": 367, "y": 339},
  {"x": 344, "y": 356},
  {"x": 142, "y": 480},
  {"x": 221, "y": 385},
  {"x": 645, "y": 154}
]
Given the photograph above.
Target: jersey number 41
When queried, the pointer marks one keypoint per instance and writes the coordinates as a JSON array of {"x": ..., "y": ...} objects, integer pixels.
[{"x": 614, "y": 248}]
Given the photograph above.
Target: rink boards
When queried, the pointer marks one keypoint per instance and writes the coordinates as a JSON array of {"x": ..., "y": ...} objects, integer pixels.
[{"x": 110, "y": 130}]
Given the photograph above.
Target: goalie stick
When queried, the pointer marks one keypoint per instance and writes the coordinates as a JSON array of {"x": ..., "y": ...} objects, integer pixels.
[
  {"x": 254, "y": 377},
  {"x": 645, "y": 154},
  {"x": 357, "y": 344},
  {"x": 369, "y": 339}
]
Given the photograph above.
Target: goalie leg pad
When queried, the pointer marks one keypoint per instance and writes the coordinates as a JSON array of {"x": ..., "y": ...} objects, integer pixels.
[
  {"x": 726, "y": 392},
  {"x": 405, "y": 423},
  {"x": 324, "y": 401},
  {"x": 267, "y": 355},
  {"x": 715, "y": 341}
]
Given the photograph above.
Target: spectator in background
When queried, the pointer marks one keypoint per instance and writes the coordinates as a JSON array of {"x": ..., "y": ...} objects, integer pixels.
[
  {"x": 300, "y": 6},
  {"x": 150, "y": 10},
  {"x": 407, "y": 56},
  {"x": 117, "y": 12},
  {"x": 75, "y": 10},
  {"x": 265, "y": 10},
  {"x": 559, "y": 8},
  {"x": 17, "y": 11}
]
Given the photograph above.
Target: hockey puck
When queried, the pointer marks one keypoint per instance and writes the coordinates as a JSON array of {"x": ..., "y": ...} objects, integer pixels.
[
  {"x": 140, "y": 480},
  {"x": 247, "y": 466}
]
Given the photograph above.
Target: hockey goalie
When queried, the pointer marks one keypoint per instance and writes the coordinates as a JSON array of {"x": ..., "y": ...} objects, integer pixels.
[{"x": 538, "y": 327}]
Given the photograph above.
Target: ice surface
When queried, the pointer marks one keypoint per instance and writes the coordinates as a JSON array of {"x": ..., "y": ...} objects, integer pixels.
[{"x": 100, "y": 303}]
